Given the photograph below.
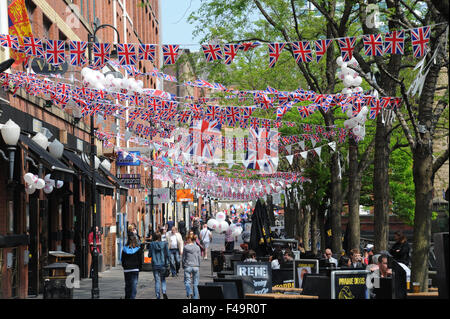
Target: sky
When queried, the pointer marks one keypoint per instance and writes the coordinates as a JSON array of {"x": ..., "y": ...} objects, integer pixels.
[{"x": 175, "y": 28}]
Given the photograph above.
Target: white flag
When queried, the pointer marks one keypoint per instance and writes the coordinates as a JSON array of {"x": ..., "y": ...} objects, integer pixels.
[
  {"x": 332, "y": 145},
  {"x": 302, "y": 144},
  {"x": 290, "y": 158},
  {"x": 289, "y": 149},
  {"x": 304, "y": 154},
  {"x": 318, "y": 150}
]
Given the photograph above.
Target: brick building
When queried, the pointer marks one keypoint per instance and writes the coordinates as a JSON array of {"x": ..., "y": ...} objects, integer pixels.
[{"x": 33, "y": 225}]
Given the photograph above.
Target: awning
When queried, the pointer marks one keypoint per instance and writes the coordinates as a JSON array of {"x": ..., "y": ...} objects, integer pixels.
[
  {"x": 103, "y": 185},
  {"x": 122, "y": 187},
  {"x": 59, "y": 170}
]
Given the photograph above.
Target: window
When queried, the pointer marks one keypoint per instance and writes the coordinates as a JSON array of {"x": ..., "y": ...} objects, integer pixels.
[{"x": 47, "y": 25}]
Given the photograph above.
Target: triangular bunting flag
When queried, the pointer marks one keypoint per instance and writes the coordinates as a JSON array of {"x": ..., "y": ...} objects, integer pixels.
[
  {"x": 332, "y": 145},
  {"x": 304, "y": 154},
  {"x": 290, "y": 158}
]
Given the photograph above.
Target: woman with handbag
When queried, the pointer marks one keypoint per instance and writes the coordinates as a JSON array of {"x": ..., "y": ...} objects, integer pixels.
[
  {"x": 159, "y": 252},
  {"x": 132, "y": 264}
]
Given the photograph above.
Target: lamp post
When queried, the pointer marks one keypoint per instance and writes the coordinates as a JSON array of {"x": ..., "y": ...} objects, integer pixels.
[
  {"x": 95, "y": 292},
  {"x": 10, "y": 133}
]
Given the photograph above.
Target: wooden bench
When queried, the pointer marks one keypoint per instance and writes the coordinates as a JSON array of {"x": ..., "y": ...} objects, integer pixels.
[
  {"x": 279, "y": 296},
  {"x": 285, "y": 289}
]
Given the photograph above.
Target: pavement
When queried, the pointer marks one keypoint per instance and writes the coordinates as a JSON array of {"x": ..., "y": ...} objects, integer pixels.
[{"x": 112, "y": 283}]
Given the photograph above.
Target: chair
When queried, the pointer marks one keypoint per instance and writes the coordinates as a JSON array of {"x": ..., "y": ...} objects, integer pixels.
[
  {"x": 229, "y": 289},
  {"x": 237, "y": 281},
  {"x": 210, "y": 292},
  {"x": 317, "y": 285}
]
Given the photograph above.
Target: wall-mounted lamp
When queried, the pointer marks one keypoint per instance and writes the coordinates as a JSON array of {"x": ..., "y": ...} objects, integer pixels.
[{"x": 10, "y": 133}]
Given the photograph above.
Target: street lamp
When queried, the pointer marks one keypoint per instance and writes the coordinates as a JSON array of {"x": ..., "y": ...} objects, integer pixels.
[
  {"x": 95, "y": 292},
  {"x": 10, "y": 133}
]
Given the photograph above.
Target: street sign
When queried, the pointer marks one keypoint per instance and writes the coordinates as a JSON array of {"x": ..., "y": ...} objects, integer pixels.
[
  {"x": 131, "y": 180},
  {"x": 41, "y": 66},
  {"x": 128, "y": 160},
  {"x": 161, "y": 195},
  {"x": 184, "y": 195}
]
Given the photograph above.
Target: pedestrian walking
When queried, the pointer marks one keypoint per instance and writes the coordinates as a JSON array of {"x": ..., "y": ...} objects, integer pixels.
[
  {"x": 98, "y": 243},
  {"x": 170, "y": 224},
  {"x": 132, "y": 264},
  {"x": 229, "y": 240},
  {"x": 163, "y": 234},
  {"x": 205, "y": 240},
  {"x": 191, "y": 266},
  {"x": 175, "y": 242},
  {"x": 196, "y": 225},
  {"x": 159, "y": 252},
  {"x": 182, "y": 228}
]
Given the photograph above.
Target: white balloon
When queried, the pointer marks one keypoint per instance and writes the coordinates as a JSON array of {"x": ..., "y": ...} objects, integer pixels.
[
  {"x": 348, "y": 80},
  {"x": 47, "y": 178},
  {"x": 346, "y": 71},
  {"x": 357, "y": 81},
  {"x": 29, "y": 178},
  {"x": 223, "y": 226},
  {"x": 339, "y": 61},
  {"x": 346, "y": 91},
  {"x": 59, "y": 184},
  {"x": 212, "y": 223},
  {"x": 358, "y": 89},
  {"x": 48, "y": 189},
  {"x": 40, "y": 184},
  {"x": 349, "y": 112},
  {"x": 350, "y": 123},
  {"x": 30, "y": 189},
  {"x": 353, "y": 62},
  {"x": 220, "y": 216}
]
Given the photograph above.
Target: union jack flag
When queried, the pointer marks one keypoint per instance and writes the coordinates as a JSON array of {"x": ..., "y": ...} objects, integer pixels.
[
  {"x": 262, "y": 145},
  {"x": 321, "y": 47},
  {"x": 246, "y": 112},
  {"x": 55, "y": 52},
  {"x": 183, "y": 117},
  {"x": 347, "y": 45},
  {"x": 221, "y": 117},
  {"x": 307, "y": 128},
  {"x": 373, "y": 45},
  {"x": 136, "y": 100},
  {"x": 266, "y": 124},
  {"x": 233, "y": 115},
  {"x": 274, "y": 52},
  {"x": 154, "y": 105},
  {"x": 302, "y": 51},
  {"x": 147, "y": 52},
  {"x": 212, "y": 52},
  {"x": 248, "y": 45},
  {"x": 9, "y": 41},
  {"x": 220, "y": 87},
  {"x": 77, "y": 51},
  {"x": 33, "y": 46},
  {"x": 170, "y": 53},
  {"x": 101, "y": 54},
  {"x": 419, "y": 40},
  {"x": 229, "y": 52},
  {"x": 135, "y": 114},
  {"x": 394, "y": 42},
  {"x": 211, "y": 112},
  {"x": 243, "y": 123},
  {"x": 204, "y": 147},
  {"x": 254, "y": 123},
  {"x": 126, "y": 53},
  {"x": 304, "y": 111}
]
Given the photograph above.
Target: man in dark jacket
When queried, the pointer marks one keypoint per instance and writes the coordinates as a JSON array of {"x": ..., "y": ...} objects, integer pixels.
[
  {"x": 132, "y": 264},
  {"x": 400, "y": 250}
]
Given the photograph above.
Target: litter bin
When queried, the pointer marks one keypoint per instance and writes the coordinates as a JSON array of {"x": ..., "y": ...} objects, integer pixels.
[{"x": 55, "y": 282}]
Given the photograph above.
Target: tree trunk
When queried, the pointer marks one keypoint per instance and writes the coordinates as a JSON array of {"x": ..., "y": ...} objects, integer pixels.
[
  {"x": 354, "y": 190},
  {"x": 381, "y": 186},
  {"x": 306, "y": 227},
  {"x": 289, "y": 216},
  {"x": 314, "y": 224},
  {"x": 321, "y": 224},
  {"x": 336, "y": 204}
]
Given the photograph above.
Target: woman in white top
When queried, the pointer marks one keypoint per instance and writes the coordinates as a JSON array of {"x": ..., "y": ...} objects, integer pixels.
[{"x": 205, "y": 239}]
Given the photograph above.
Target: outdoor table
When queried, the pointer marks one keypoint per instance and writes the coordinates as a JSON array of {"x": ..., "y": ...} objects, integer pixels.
[
  {"x": 283, "y": 289},
  {"x": 61, "y": 256},
  {"x": 279, "y": 296},
  {"x": 423, "y": 295}
]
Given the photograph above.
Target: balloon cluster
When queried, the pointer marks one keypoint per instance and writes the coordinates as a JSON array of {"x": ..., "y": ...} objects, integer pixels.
[
  {"x": 33, "y": 182},
  {"x": 349, "y": 77},
  {"x": 352, "y": 82},
  {"x": 97, "y": 80},
  {"x": 219, "y": 225}
]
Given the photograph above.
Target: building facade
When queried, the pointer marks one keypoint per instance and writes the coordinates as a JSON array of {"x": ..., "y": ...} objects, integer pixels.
[{"x": 32, "y": 226}]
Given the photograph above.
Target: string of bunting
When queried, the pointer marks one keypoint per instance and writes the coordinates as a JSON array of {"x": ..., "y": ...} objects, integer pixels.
[{"x": 54, "y": 51}]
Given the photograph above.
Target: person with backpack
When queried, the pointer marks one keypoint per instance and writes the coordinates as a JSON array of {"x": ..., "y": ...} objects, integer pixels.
[
  {"x": 132, "y": 264},
  {"x": 205, "y": 239},
  {"x": 159, "y": 252}
]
